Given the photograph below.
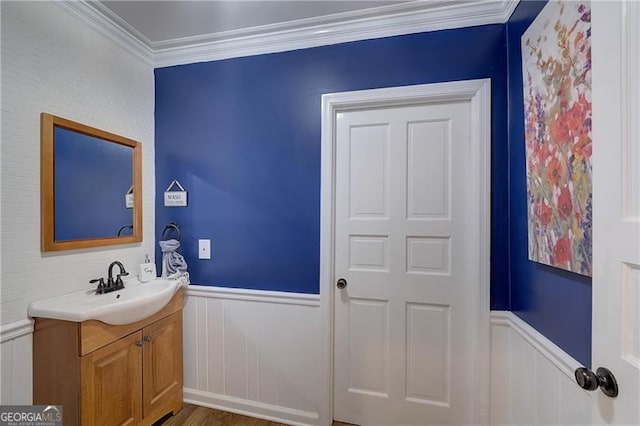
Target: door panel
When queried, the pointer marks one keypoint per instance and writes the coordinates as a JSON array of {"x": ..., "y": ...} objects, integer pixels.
[
  {"x": 428, "y": 353},
  {"x": 428, "y": 180},
  {"x": 368, "y": 347},
  {"x": 403, "y": 216},
  {"x": 368, "y": 252},
  {"x": 429, "y": 255},
  {"x": 631, "y": 313},
  {"x": 369, "y": 174},
  {"x": 616, "y": 217}
]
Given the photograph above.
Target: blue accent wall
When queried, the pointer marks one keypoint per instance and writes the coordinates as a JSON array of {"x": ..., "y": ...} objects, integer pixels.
[
  {"x": 243, "y": 136},
  {"x": 557, "y": 303}
]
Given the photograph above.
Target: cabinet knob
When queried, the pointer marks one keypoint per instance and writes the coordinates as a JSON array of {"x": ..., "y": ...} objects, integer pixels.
[
  {"x": 147, "y": 338},
  {"x": 139, "y": 343}
]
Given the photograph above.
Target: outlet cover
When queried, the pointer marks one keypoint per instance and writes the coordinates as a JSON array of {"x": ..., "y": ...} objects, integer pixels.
[{"x": 204, "y": 249}]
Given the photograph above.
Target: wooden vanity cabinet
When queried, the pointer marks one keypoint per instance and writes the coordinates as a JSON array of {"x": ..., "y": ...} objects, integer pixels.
[
  {"x": 110, "y": 374},
  {"x": 111, "y": 384},
  {"x": 162, "y": 363}
]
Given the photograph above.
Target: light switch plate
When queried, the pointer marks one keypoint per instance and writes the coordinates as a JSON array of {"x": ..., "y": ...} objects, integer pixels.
[{"x": 204, "y": 249}]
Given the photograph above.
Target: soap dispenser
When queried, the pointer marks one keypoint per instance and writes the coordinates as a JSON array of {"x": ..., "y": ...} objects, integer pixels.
[{"x": 147, "y": 270}]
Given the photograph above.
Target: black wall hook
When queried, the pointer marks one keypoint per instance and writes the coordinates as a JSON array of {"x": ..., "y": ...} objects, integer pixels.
[
  {"x": 171, "y": 226},
  {"x": 123, "y": 228}
]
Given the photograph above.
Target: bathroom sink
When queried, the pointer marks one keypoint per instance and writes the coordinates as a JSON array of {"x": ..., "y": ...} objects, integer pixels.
[{"x": 133, "y": 303}]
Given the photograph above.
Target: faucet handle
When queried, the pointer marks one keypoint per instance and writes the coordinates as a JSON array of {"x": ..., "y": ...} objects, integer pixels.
[
  {"x": 119, "y": 284},
  {"x": 101, "y": 285}
]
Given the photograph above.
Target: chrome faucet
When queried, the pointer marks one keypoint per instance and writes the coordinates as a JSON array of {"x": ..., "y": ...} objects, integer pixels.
[{"x": 111, "y": 285}]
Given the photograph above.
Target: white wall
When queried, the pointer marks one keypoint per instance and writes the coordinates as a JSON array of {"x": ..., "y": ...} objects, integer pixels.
[
  {"x": 253, "y": 352},
  {"x": 53, "y": 62},
  {"x": 15, "y": 356},
  {"x": 532, "y": 380},
  {"x": 256, "y": 353}
]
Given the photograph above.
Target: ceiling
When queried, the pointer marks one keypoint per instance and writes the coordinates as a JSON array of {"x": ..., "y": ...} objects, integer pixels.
[
  {"x": 159, "y": 22},
  {"x": 173, "y": 32}
]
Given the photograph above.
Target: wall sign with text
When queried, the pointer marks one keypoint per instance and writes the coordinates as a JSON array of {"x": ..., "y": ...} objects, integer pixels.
[
  {"x": 128, "y": 198},
  {"x": 175, "y": 198}
]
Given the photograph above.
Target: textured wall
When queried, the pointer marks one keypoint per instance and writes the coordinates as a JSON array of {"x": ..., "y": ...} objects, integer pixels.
[
  {"x": 243, "y": 136},
  {"x": 53, "y": 62},
  {"x": 557, "y": 303}
]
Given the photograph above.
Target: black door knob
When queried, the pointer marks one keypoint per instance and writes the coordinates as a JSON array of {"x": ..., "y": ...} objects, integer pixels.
[
  {"x": 342, "y": 283},
  {"x": 602, "y": 378},
  {"x": 586, "y": 379}
]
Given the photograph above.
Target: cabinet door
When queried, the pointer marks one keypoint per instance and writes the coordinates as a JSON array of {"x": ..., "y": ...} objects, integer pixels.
[
  {"x": 111, "y": 383},
  {"x": 162, "y": 365}
]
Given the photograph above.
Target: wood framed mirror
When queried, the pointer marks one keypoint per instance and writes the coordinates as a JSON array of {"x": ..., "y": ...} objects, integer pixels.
[{"x": 91, "y": 186}]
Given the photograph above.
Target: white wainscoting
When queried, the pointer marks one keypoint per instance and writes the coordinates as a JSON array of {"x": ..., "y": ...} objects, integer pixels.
[
  {"x": 253, "y": 352},
  {"x": 256, "y": 353},
  {"x": 532, "y": 380},
  {"x": 15, "y": 359}
]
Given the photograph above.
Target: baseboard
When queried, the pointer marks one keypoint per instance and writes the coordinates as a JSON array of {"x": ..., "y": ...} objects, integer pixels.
[{"x": 246, "y": 407}]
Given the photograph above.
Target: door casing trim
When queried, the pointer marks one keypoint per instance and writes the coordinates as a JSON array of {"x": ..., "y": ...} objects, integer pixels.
[{"x": 478, "y": 92}]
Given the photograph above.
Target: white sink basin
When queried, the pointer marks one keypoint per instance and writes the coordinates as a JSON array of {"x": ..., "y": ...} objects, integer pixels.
[{"x": 133, "y": 303}]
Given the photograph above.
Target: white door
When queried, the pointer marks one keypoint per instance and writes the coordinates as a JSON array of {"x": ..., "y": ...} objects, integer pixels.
[
  {"x": 406, "y": 223},
  {"x": 616, "y": 201}
]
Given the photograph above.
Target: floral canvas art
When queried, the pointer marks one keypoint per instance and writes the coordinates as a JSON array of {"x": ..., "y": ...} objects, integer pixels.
[{"x": 556, "y": 64}]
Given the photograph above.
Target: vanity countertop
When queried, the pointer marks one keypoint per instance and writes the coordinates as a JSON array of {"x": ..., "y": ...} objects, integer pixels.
[{"x": 130, "y": 304}]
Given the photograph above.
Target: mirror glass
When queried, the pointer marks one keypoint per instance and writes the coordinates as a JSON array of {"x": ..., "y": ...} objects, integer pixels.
[
  {"x": 91, "y": 186},
  {"x": 92, "y": 177}
]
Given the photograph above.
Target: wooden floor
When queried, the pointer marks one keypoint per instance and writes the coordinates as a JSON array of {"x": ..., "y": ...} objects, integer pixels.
[{"x": 201, "y": 416}]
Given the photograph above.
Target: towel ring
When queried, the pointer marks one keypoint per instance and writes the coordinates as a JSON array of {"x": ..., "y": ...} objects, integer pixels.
[
  {"x": 123, "y": 228},
  {"x": 170, "y": 226}
]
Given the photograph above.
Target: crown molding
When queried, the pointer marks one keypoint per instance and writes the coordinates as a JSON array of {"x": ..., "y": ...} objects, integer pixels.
[
  {"x": 105, "y": 24},
  {"x": 118, "y": 21},
  {"x": 398, "y": 19},
  {"x": 401, "y": 19}
]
